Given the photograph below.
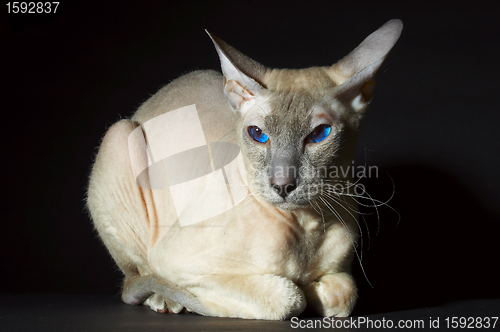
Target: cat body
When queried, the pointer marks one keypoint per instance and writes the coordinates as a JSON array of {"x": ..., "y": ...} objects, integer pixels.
[{"x": 281, "y": 247}]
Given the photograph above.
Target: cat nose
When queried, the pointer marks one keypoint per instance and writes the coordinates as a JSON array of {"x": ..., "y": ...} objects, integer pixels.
[{"x": 284, "y": 187}]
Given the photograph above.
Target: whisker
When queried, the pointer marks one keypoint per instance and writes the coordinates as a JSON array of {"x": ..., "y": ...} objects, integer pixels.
[
  {"x": 320, "y": 212},
  {"x": 354, "y": 217},
  {"x": 331, "y": 190},
  {"x": 341, "y": 220},
  {"x": 376, "y": 204}
]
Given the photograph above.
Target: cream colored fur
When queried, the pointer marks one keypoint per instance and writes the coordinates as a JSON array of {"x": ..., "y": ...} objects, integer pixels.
[{"x": 256, "y": 260}]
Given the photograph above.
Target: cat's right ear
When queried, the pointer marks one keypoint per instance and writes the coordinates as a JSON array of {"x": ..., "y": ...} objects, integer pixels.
[{"x": 242, "y": 75}]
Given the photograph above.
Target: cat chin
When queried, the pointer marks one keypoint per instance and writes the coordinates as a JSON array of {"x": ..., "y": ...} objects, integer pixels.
[{"x": 288, "y": 206}]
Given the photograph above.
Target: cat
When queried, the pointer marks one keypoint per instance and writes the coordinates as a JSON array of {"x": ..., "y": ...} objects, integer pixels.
[{"x": 289, "y": 240}]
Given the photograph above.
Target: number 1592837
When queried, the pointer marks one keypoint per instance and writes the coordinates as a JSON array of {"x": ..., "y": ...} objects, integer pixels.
[{"x": 32, "y": 7}]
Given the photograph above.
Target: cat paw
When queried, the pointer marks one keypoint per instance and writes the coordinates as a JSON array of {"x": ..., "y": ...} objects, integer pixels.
[
  {"x": 161, "y": 305},
  {"x": 286, "y": 299},
  {"x": 333, "y": 295}
]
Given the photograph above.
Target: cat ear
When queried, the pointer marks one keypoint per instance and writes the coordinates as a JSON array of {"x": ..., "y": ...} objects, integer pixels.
[
  {"x": 355, "y": 72},
  {"x": 242, "y": 75}
]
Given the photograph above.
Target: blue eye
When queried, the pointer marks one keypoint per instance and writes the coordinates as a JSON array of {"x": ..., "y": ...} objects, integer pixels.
[
  {"x": 319, "y": 133},
  {"x": 257, "y": 134}
]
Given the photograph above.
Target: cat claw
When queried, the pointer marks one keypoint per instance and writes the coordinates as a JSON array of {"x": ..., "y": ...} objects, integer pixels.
[{"x": 169, "y": 311}]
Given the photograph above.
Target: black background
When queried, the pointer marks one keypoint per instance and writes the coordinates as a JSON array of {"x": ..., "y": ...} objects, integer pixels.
[{"x": 431, "y": 130}]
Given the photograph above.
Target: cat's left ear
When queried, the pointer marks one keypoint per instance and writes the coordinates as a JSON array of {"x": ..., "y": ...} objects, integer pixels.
[
  {"x": 242, "y": 75},
  {"x": 354, "y": 74}
]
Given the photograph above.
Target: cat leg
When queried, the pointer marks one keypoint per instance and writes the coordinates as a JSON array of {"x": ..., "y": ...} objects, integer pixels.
[
  {"x": 265, "y": 296},
  {"x": 154, "y": 289},
  {"x": 117, "y": 205},
  {"x": 245, "y": 296},
  {"x": 332, "y": 295}
]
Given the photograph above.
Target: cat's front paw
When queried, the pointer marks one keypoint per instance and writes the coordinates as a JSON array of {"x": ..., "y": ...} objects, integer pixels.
[
  {"x": 161, "y": 305},
  {"x": 285, "y": 299},
  {"x": 332, "y": 295}
]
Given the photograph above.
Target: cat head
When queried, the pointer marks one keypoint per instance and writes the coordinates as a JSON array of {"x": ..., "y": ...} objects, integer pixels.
[{"x": 295, "y": 126}]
